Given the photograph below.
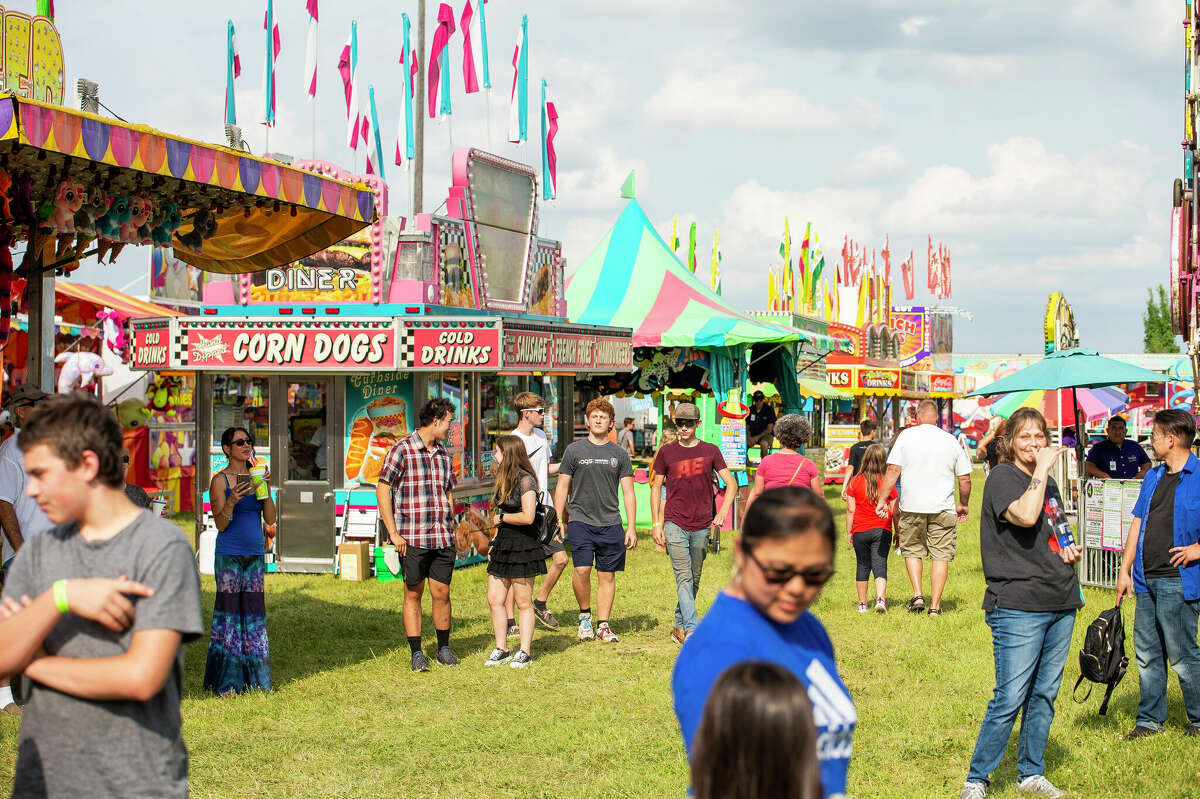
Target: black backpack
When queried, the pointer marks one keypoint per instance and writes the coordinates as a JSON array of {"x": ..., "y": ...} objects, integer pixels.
[{"x": 1102, "y": 659}]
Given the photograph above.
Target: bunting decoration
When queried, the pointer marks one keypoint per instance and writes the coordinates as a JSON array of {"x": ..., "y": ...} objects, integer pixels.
[
  {"x": 549, "y": 157},
  {"x": 715, "y": 275},
  {"x": 233, "y": 71},
  {"x": 406, "y": 133},
  {"x": 272, "y": 39},
  {"x": 310, "y": 51},
  {"x": 374, "y": 128},
  {"x": 518, "y": 109},
  {"x": 474, "y": 48},
  {"x": 438, "y": 66},
  {"x": 356, "y": 122}
]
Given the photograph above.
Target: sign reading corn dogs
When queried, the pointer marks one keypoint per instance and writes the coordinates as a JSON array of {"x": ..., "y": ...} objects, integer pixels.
[{"x": 286, "y": 344}]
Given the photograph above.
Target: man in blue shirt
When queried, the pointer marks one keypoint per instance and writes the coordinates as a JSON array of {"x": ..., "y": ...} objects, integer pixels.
[
  {"x": 1161, "y": 567},
  {"x": 1116, "y": 456}
]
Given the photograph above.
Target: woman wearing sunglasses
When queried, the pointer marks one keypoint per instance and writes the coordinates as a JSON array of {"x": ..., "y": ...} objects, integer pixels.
[
  {"x": 783, "y": 558},
  {"x": 238, "y": 655}
]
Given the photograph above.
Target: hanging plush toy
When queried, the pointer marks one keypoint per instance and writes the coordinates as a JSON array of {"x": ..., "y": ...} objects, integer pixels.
[
  {"x": 69, "y": 198},
  {"x": 166, "y": 221},
  {"x": 204, "y": 225},
  {"x": 132, "y": 413},
  {"x": 109, "y": 225},
  {"x": 95, "y": 206},
  {"x": 80, "y": 369},
  {"x": 114, "y": 333},
  {"x": 139, "y": 215},
  {"x": 164, "y": 396}
]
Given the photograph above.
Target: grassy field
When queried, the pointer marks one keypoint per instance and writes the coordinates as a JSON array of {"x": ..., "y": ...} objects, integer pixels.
[{"x": 348, "y": 719}]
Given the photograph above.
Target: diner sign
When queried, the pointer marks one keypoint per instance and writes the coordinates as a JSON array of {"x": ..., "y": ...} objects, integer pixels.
[{"x": 288, "y": 345}]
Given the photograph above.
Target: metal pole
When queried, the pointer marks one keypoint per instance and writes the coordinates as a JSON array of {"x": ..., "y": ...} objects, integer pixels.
[
  {"x": 419, "y": 117},
  {"x": 39, "y": 303}
]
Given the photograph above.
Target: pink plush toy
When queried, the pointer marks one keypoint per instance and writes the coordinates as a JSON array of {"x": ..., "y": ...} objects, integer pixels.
[
  {"x": 114, "y": 333},
  {"x": 79, "y": 370},
  {"x": 69, "y": 198},
  {"x": 139, "y": 214}
]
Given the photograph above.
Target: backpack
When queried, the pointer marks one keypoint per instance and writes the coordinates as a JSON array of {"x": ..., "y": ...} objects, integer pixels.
[{"x": 1102, "y": 659}]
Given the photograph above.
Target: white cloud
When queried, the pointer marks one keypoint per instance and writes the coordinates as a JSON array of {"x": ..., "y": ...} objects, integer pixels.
[
  {"x": 877, "y": 163},
  {"x": 912, "y": 26},
  {"x": 598, "y": 186},
  {"x": 740, "y": 96}
]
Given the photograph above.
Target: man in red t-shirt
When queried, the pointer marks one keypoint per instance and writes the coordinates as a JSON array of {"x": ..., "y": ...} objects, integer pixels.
[{"x": 683, "y": 521}]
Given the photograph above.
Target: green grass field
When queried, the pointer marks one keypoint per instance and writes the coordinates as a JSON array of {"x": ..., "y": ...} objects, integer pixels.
[{"x": 348, "y": 719}]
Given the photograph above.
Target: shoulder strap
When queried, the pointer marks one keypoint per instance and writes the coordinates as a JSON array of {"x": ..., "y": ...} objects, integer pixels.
[
  {"x": 1079, "y": 701},
  {"x": 1107, "y": 695},
  {"x": 798, "y": 468}
]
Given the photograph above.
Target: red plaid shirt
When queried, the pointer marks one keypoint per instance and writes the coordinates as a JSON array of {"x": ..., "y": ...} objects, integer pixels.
[{"x": 420, "y": 479}]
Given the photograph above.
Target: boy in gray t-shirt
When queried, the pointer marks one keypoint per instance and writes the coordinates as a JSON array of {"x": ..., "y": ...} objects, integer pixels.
[{"x": 95, "y": 613}]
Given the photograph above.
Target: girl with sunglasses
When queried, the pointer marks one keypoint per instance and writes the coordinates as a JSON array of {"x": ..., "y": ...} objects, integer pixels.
[
  {"x": 238, "y": 654},
  {"x": 783, "y": 558}
]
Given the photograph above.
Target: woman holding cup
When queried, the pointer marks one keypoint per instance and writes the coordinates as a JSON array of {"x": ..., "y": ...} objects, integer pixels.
[{"x": 238, "y": 652}]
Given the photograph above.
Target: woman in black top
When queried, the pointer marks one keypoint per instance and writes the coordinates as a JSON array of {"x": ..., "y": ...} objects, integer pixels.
[
  {"x": 515, "y": 557},
  {"x": 1030, "y": 603}
]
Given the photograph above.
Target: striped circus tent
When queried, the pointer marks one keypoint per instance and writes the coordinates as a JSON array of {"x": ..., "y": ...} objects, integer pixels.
[{"x": 633, "y": 279}]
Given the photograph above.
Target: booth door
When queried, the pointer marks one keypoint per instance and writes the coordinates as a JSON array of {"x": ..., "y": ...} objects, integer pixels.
[{"x": 307, "y": 525}]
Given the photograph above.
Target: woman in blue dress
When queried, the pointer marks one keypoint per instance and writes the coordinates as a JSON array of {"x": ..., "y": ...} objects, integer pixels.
[
  {"x": 783, "y": 558},
  {"x": 238, "y": 654}
]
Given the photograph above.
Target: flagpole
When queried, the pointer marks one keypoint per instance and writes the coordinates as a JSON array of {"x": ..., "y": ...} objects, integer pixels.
[
  {"x": 314, "y": 127},
  {"x": 488, "y": 99},
  {"x": 419, "y": 116}
]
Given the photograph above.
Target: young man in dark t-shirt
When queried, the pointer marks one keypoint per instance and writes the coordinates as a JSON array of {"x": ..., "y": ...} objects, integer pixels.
[
  {"x": 866, "y": 437},
  {"x": 682, "y": 523},
  {"x": 1161, "y": 567}
]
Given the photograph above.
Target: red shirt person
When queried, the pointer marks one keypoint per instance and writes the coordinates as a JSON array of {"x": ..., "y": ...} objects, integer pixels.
[
  {"x": 683, "y": 521},
  {"x": 870, "y": 531}
]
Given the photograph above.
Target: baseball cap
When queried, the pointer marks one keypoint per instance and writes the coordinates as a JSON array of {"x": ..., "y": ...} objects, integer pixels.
[
  {"x": 25, "y": 394},
  {"x": 759, "y": 395},
  {"x": 686, "y": 410}
]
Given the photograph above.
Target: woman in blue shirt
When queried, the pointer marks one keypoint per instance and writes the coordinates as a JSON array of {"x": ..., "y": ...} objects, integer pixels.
[
  {"x": 238, "y": 653},
  {"x": 784, "y": 557}
]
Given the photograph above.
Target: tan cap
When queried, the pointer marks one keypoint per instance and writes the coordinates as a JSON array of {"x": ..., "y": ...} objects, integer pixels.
[
  {"x": 25, "y": 394},
  {"x": 686, "y": 410}
]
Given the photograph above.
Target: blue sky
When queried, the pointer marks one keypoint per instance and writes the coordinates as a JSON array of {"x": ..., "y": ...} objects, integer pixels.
[{"x": 1037, "y": 140}]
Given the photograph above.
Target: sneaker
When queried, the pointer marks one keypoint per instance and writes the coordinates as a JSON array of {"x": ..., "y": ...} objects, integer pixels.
[
  {"x": 445, "y": 656},
  {"x": 514, "y": 630},
  {"x": 586, "y": 633},
  {"x": 916, "y": 604},
  {"x": 973, "y": 790},
  {"x": 419, "y": 663},
  {"x": 862, "y": 607},
  {"x": 1192, "y": 731},
  {"x": 1141, "y": 732},
  {"x": 1037, "y": 785},
  {"x": 545, "y": 617},
  {"x": 520, "y": 660},
  {"x": 678, "y": 635},
  {"x": 880, "y": 605},
  {"x": 605, "y": 634},
  {"x": 498, "y": 657}
]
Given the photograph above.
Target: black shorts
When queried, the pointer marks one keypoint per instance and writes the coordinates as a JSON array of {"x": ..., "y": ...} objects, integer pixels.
[
  {"x": 552, "y": 547},
  {"x": 432, "y": 564}
]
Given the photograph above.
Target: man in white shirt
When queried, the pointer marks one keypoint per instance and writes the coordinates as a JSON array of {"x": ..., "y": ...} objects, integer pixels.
[
  {"x": 930, "y": 461},
  {"x": 531, "y": 411},
  {"x": 20, "y": 516}
]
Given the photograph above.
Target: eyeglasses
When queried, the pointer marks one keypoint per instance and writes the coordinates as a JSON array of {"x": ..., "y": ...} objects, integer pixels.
[
  {"x": 241, "y": 442},
  {"x": 685, "y": 422},
  {"x": 536, "y": 410},
  {"x": 814, "y": 578}
]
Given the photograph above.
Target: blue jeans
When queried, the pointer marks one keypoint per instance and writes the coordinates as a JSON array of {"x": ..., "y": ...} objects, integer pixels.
[
  {"x": 1030, "y": 650},
  {"x": 686, "y": 549},
  {"x": 1164, "y": 623}
]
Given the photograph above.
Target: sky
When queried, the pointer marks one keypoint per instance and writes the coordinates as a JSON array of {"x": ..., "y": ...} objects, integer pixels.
[{"x": 1038, "y": 141}]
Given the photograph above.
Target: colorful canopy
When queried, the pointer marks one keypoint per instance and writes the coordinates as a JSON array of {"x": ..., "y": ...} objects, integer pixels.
[
  {"x": 633, "y": 279},
  {"x": 1073, "y": 368},
  {"x": 266, "y": 213},
  {"x": 1095, "y": 403},
  {"x": 100, "y": 297}
]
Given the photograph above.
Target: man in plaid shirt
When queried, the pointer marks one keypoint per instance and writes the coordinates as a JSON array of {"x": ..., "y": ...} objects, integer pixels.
[{"x": 414, "y": 503}]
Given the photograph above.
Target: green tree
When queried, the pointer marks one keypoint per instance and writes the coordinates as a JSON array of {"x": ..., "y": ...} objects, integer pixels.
[{"x": 1158, "y": 335}]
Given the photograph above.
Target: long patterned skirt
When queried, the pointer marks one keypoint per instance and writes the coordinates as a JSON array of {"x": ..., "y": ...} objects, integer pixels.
[{"x": 239, "y": 658}]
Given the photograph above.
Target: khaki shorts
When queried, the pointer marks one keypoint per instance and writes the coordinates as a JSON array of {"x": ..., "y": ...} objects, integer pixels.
[{"x": 932, "y": 535}]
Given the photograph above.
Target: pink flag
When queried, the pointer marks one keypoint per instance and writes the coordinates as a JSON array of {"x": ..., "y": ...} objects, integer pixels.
[
  {"x": 906, "y": 270},
  {"x": 272, "y": 27},
  {"x": 237, "y": 61},
  {"x": 356, "y": 122},
  {"x": 441, "y": 39},
  {"x": 310, "y": 51},
  {"x": 470, "y": 28}
]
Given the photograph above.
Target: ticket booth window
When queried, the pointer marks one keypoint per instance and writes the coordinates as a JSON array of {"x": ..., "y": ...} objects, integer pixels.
[
  {"x": 307, "y": 443},
  {"x": 241, "y": 401}
]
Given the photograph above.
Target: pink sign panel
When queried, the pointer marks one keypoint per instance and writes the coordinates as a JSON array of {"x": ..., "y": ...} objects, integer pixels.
[
  {"x": 279, "y": 345},
  {"x": 465, "y": 348},
  {"x": 152, "y": 346}
]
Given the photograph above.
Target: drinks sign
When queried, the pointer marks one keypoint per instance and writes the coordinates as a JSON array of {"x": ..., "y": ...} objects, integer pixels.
[
  {"x": 838, "y": 377},
  {"x": 883, "y": 379},
  {"x": 152, "y": 346},
  {"x": 463, "y": 348}
]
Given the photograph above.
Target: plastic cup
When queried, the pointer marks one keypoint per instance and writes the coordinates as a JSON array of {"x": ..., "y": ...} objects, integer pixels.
[{"x": 258, "y": 473}]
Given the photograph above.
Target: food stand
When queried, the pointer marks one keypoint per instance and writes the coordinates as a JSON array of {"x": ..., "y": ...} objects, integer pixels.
[{"x": 327, "y": 362}]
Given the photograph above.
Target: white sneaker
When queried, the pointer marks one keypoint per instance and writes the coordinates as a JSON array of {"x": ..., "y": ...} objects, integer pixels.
[
  {"x": 1038, "y": 785},
  {"x": 862, "y": 607},
  {"x": 605, "y": 634},
  {"x": 520, "y": 660},
  {"x": 880, "y": 606},
  {"x": 498, "y": 657},
  {"x": 586, "y": 633},
  {"x": 973, "y": 790}
]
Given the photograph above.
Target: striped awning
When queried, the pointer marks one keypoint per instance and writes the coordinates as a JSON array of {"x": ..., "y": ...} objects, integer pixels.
[
  {"x": 819, "y": 389},
  {"x": 105, "y": 297}
]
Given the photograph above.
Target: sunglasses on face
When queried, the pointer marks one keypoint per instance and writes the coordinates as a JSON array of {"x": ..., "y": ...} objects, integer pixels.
[
  {"x": 814, "y": 578},
  {"x": 241, "y": 442},
  {"x": 536, "y": 410},
  {"x": 685, "y": 422}
]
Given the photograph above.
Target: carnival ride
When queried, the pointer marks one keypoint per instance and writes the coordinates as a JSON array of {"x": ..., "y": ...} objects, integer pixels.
[{"x": 1185, "y": 224}]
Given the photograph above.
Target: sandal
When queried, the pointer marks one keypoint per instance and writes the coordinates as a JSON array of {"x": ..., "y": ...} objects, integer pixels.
[
  {"x": 917, "y": 604},
  {"x": 935, "y": 611}
]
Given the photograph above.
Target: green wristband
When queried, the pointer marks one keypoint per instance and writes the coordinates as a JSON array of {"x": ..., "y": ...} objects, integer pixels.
[{"x": 60, "y": 596}]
